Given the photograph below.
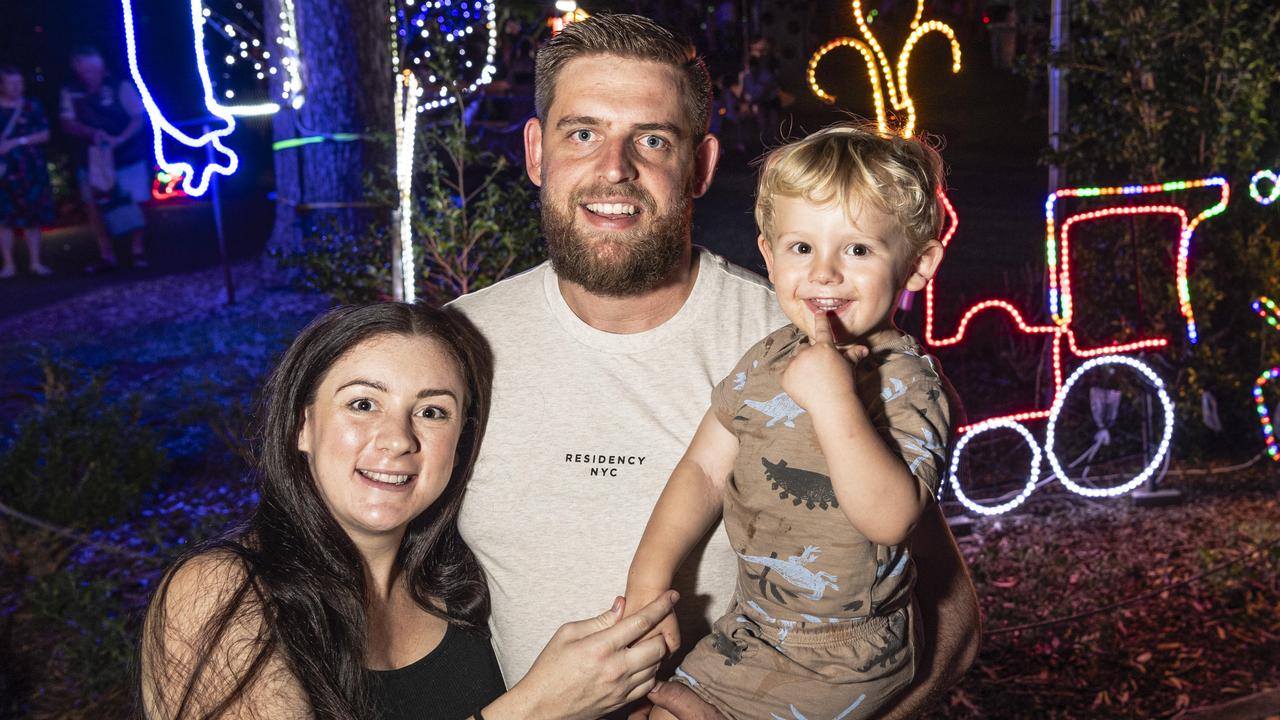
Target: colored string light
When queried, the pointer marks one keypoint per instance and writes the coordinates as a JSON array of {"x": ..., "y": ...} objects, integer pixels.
[
  {"x": 879, "y": 71},
  {"x": 1184, "y": 297},
  {"x": 1059, "y": 307},
  {"x": 1268, "y": 311},
  {"x": 1060, "y": 400},
  {"x": 166, "y": 187},
  {"x": 1264, "y": 415},
  {"x": 160, "y": 126},
  {"x": 438, "y": 22},
  {"x": 1033, "y": 473},
  {"x": 1257, "y": 195}
]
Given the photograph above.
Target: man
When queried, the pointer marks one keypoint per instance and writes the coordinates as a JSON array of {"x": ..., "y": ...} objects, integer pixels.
[
  {"x": 97, "y": 110},
  {"x": 606, "y": 356}
]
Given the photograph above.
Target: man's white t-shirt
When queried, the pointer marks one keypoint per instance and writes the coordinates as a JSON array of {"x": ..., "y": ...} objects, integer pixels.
[{"x": 584, "y": 429}]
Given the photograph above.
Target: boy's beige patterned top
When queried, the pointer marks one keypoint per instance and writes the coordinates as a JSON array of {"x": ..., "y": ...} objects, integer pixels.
[{"x": 800, "y": 559}]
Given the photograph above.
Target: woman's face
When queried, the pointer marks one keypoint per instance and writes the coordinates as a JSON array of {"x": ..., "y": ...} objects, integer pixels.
[{"x": 381, "y": 434}]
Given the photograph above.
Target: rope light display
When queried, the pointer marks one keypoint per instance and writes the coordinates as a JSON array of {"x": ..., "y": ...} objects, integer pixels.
[
  {"x": 1264, "y": 415},
  {"x": 879, "y": 71},
  {"x": 1063, "y": 337},
  {"x": 1256, "y": 181},
  {"x": 192, "y": 183},
  {"x": 1266, "y": 309},
  {"x": 1033, "y": 474},
  {"x": 1059, "y": 277},
  {"x": 1060, "y": 400},
  {"x": 407, "y": 92}
]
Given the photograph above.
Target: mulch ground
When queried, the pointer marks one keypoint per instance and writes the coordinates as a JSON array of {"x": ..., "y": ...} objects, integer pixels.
[{"x": 1160, "y": 644}]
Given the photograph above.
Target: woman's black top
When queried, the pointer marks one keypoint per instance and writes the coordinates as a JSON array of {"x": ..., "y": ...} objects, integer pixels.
[{"x": 450, "y": 683}]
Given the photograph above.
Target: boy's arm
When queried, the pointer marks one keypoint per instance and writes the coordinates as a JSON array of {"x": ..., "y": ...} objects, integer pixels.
[
  {"x": 948, "y": 616},
  {"x": 862, "y": 467},
  {"x": 688, "y": 506}
]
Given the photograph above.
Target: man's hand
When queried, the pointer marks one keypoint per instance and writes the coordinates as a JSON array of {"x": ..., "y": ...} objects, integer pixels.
[
  {"x": 819, "y": 377},
  {"x": 678, "y": 700}
]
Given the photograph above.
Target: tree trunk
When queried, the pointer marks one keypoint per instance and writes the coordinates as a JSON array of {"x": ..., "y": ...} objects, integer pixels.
[{"x": 344, "y": 53}]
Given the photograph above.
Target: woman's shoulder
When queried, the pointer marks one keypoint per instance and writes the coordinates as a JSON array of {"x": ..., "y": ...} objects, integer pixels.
[
  {"x": 211, "y": 573},
  {"x": 206, "y": 642}
]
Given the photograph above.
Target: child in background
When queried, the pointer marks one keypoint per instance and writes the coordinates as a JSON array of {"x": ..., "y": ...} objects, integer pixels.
[{"x": 821, "y": 448}]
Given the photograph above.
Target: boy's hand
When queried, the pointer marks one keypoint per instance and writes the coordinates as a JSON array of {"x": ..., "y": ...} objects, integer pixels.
[
  {"x": 819, "y": 377},
  {"x": 668, "y": 628}
]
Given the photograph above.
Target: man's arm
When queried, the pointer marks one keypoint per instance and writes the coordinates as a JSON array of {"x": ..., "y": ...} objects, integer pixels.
[
  {"x": 948, "y": 616},
  {"x": 132, "y": 104}
]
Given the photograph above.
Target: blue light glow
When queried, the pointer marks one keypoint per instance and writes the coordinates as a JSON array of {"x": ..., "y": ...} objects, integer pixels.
[{"x": 160, "y": 125}]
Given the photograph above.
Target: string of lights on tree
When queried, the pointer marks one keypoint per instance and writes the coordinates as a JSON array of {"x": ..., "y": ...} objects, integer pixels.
[{"x": 879, "y": 71}]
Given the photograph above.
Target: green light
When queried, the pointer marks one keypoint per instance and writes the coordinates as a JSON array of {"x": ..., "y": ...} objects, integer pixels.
[{"x": 314, "y": 139}]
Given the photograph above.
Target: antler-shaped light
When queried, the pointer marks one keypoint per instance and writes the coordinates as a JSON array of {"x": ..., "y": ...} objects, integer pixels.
[{"x": 879, "y": 71}]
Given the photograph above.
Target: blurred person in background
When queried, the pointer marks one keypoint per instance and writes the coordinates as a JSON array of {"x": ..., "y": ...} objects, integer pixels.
[
  {"x": 26, "y": 202},
  {"x": 99, "y": 111}
]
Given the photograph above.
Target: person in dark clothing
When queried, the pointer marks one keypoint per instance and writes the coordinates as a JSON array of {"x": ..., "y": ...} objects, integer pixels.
[
  {"x": 99, "y": 110},
  {"x": 349, "y": 593},
  {"x": 26, "y": 202}
]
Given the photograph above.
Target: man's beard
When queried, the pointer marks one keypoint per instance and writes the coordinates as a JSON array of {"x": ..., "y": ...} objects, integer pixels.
[{"x": 616, "y": 264}]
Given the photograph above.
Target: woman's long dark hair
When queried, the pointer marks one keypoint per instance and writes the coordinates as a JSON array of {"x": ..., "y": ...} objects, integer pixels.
[{"x": 301, "y": 568}]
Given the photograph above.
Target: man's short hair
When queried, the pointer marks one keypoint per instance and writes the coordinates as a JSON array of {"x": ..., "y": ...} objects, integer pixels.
[
  {"x": 7, "y": 70},
  {"x": 628, "y": 36},
  {"x": 855, "y": 162},
  {"x": 85, "y": 52}
]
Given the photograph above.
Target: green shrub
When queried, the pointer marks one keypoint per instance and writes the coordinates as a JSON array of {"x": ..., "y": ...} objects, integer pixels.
[
  {"x": 79, "y": 455},
  {"x": 350, "y": 267},
  {"x": 474, "y": 221},
  {"x": 91, "y": 632}
]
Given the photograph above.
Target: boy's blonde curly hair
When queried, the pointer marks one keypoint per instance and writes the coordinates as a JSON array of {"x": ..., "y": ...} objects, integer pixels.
[{"x": 850, "y": 162}]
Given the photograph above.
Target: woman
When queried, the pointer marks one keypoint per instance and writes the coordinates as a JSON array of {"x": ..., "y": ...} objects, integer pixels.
[
  {"x": 349, "y": 593},
  {"x": 26, "y": 202}
]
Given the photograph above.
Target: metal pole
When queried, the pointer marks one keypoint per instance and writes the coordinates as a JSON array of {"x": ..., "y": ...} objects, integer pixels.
[
  {"x": 217, "y": 223},
  {"x": 1059, "y": 36}
]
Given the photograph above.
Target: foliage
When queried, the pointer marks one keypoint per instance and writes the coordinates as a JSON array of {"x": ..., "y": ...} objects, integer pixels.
[
  {"x": 475, "y": 219},
  {"x": 95, "y": 637},
  {"x": 476, "y": 215},
  {"x": 79, "y": 455},
  {"x": 1179, "y": 90},
  {"x": 350, "y": 267}
]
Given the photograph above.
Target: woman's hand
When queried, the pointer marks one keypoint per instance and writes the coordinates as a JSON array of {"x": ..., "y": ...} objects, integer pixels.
[
  {"x": 667, "y": 628},
  {"x": 591, "y": 666}
]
